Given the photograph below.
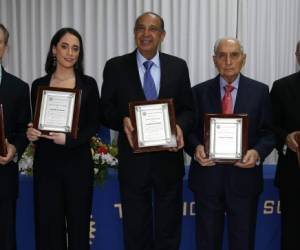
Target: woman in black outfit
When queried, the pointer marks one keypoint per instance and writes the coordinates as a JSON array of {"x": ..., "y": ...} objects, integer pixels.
[{"x": 63, "y": 166}]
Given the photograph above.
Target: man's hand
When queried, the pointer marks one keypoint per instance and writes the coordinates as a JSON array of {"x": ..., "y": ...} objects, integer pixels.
[
  {"x": 249, "y": 160},
  {"x": 291, "y": 141},
  {"x": 200, "y": 157},
  {"x": 179, "y": 140},
  {"x": 128, "y": 129},
  {"x": 11, "y": 152}
]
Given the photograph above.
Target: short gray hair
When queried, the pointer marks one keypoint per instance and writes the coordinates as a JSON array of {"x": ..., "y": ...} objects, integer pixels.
[{"x": 220, "y": 40}]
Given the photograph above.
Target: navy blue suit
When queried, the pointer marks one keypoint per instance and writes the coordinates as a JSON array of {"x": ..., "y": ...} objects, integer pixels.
[
  {"x": 286, "y": 119},
  {"x": 146, "y": 174},
  {"x": 14, "y": 96},
  {"x": 227, "y": 188}
]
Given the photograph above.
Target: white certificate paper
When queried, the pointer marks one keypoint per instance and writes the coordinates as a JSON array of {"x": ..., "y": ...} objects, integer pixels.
[
  {"x": 153, "y": 125},
  {"x": 225, "y": 138},
  {"x": 57, "y": 109}
]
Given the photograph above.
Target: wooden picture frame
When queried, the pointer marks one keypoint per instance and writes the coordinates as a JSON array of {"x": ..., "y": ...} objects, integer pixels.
[
  {"x": 155, "y": 125},
  {"x": 57, "y": 110},
  {"x": 225, "y": 137}
]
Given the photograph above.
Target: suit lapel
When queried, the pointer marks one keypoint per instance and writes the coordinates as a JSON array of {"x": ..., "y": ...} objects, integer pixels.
[
  {"x": 296, "y": 86},
  {"x": 2, "y": 84},
  {"x": 5, "y": 87},
  {"x": 4, "y": 78},
  {"x": 163, "y": 75},
  {"x": 215, "y": 96},
  {"x": 134, "y": 78},
  {"x": 242, "y": 95}
]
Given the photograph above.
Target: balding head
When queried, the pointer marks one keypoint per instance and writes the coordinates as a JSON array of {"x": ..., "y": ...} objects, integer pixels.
[
  {"x": 227, "y": 39},
  {"x": 229, "y": 58}
]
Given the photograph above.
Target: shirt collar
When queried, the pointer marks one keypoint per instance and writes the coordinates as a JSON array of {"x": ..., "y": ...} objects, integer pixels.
[
  {"x": 235, "y": 83},
  {"x": 141, "y": 59}
]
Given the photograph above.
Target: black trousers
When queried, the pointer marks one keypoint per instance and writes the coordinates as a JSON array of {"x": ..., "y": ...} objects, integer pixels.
[
  {"x": 63, "y": 203},
  {"x": 241, "y": 214},
  {"x": 290, "y": 219},
  {"x": 8, "y": 224},
  {"x": 152, "y": 215}
]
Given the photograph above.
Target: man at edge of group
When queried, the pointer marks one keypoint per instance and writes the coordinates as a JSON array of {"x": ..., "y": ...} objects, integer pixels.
[
  {"x": 14, "y": 96},
  {"x": 285, "y": 102},
  {"x": 231, "y": 189},
  {"x": 154, "y": 176}
]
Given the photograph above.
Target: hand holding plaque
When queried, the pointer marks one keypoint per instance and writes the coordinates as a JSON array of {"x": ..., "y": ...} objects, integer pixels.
[
  {"x": 226, "y": 137},
  {"x": 154, "y": 123},
  {"x": 57, "y": 110}
]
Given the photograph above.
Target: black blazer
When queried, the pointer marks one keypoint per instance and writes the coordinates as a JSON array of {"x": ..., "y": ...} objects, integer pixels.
[
  {"x": 121, "y": 84},
  {"x": 286, "y": 103},
  {"x": 76, "y": 152},
  {"x": 14, "y": 95},
  {"x": 252, "y": 98}
]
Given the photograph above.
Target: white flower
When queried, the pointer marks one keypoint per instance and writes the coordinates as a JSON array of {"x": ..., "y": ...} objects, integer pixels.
[
  {"x": 25, "y": 165},
  {"x": 96, "y": 170},
  {"x": 109, "y": 159}
]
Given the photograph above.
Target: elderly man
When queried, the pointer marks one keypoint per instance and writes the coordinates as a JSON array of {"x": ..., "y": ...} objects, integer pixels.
[
  {"x": 231, "y": 189},
  {"x": 150, "y": 182},
  {"x": 285, "y": 101}
]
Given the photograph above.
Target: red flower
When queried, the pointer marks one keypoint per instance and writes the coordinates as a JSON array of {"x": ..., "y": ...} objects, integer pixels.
[{"x": 102, "y": 150}]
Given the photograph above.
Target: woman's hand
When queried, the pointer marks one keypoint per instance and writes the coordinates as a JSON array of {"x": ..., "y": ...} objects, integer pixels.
[
  {"x": 32, "y": 133},
  {"x": 58, "y": 138}
]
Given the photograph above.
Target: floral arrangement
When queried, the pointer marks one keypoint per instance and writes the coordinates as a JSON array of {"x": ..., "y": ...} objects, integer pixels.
[
  {"x": 104, "y": 156},
  {"x": 26, "y": 161}
]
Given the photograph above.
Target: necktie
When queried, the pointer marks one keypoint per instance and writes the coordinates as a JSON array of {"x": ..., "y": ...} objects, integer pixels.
[
  {"x": 149, "y": 85},
  {"x": 227, "y": 103}
]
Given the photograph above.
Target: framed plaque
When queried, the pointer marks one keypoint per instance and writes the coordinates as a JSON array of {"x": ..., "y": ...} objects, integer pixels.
[
  {"x": 298, "y": 149},
  {"x": 57, "y": 110},
  {"x": 155, "y": 125},
  {"x": 225, "y": 137},
  {"x": 3, "y": 149}
]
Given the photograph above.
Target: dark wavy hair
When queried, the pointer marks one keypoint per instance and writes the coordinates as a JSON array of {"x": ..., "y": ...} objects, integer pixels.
[{"x": 50, "y": 66}]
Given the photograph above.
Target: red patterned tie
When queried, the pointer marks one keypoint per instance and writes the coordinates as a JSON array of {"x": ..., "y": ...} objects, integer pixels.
[{"x": 227, "y": 103}]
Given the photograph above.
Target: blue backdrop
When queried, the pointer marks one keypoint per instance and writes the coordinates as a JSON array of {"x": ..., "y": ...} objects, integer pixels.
[{"x": 106, "y": 219}]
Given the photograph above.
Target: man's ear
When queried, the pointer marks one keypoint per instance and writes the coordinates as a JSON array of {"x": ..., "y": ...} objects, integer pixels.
[{"x": 244, "y": 59}]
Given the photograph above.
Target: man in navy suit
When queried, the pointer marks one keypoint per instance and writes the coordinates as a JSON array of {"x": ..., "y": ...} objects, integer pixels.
[
  {"x": 231, "y": 189},
  {"x": 14, "y": 96},
  {"x": 152, "y": 176},
  {"x": 285, "y": 102}
]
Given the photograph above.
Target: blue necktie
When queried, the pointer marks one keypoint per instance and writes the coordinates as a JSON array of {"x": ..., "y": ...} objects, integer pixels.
[{"x": 149, "y": 85}]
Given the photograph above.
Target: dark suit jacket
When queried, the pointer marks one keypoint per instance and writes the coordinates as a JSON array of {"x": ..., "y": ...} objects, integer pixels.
[
  {"x": 252, "y": 98},
  {"x": 14, "y": 95},
  {"x": 122, "y": 85},
  {"x": 286, "y": 103},
  {"x": 76, "y": 152}
]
